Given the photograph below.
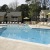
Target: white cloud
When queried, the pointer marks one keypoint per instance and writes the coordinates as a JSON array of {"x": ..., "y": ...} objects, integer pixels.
[
  {"x": 21, "y": 2},
  {"x": 5, "y": 2},
  {"x": 9, "y": 1}
]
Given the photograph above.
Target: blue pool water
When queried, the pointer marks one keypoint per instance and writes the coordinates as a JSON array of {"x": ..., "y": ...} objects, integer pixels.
[{"x": 24, "y": 32}]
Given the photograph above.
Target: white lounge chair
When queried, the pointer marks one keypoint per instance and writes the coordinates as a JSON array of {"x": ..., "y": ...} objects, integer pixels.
[
  {"x": 1, "y": 22},
  {"x": 41, "y": 23},
  {"x": 19, "y": 22},
  {"x": 48, "y": 24},
  {"x": 4, "y": 22},
  {"x": 10, "y": 22},
  {"x": 7, "y": 22},
  {"x": 13, "y": 22},
  {"x": 45, "y": 23}
]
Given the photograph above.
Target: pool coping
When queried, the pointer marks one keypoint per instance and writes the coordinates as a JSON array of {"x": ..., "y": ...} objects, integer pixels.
[{"x": 31, "y": 26}]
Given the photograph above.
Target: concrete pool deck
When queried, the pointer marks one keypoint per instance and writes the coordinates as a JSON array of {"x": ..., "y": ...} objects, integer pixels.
[
  {"x": 12, "y": 44},
  {"x": 9, "y": 44}
]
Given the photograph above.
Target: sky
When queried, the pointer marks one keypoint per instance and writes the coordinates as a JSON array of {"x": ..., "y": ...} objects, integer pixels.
[
  {"x": 21, "y": 2},
  {"x": 2, "y": 2}
]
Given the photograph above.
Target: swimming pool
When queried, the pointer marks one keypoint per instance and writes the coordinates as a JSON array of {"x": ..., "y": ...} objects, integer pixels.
[{"x": 24, "y": 32}]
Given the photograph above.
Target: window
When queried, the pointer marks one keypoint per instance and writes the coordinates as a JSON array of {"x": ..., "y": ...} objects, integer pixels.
[
  {"x": 46, "y": 16},
  {"x": 14, "y": 17},
  {"x": 5, "y": 17}
]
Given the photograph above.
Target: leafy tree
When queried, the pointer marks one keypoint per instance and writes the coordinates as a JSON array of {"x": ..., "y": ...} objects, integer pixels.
[
  {"x": 0, "y": 8},
  {"x": 34, "y": 10},
  {"x": 4, "y": 8},
  {"x": 27, "y": 0},
  {"x": 24, "y": 10},
  {"x": 18, "y": 8},
  {"x": 11, "y": 9}
]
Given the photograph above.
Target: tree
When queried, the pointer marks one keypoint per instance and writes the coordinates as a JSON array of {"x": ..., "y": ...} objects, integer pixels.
[
  {"x": 24, "y": 10},
  {"x": 18, "y": 8},
  {"x": 34, "y": 10},
  {"x": 0, "y": 8},
  {"x": 4, "y": 8},
  {"x": 11, "y": 9},
  {"x": 27, "y": 0}
]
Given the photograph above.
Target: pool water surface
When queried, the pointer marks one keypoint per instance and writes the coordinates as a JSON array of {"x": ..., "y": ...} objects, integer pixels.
[{"x": 24, "y": 32}]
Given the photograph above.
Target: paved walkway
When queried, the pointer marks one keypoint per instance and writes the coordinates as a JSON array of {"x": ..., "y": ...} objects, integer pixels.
[{"x": 39, "y": 26}]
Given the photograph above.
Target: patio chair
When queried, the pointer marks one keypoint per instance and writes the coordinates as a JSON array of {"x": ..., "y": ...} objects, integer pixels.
[
  {"x": 19, "y": 22},
  {"x": 7, "y": 22},
  {"x": 1, "y": 22},
  {"x": 10, "y": 22},
  {"x": 41, "y": 23},
  {"x": 4, "y": 22},
  {"x": 13, "y": 22},
  {"x": 45, "y": 23},
  {"x": 48, "y": 24}
]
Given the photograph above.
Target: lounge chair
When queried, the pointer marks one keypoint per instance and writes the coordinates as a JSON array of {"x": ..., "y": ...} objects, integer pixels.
[
  {"x": 45, "y": 23},
  {"x": 41, "y": 23},
  {"x": 1, "y": 22},
  {"x": 10, "y": 22},
  {"x": 7, "y": 22},
  {"x": 4, "y": 22},
  {"x": 13, "y": 22},
  {"x": 48, "y": 24},
  {"x": 19, "y": 22}
]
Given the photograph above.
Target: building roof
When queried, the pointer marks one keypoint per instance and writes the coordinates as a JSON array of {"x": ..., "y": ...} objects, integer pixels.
[
  {"x": 14, "y": 14},
  {"x": 2, "y": 13},
  {"x": 45, "y": 11}
]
